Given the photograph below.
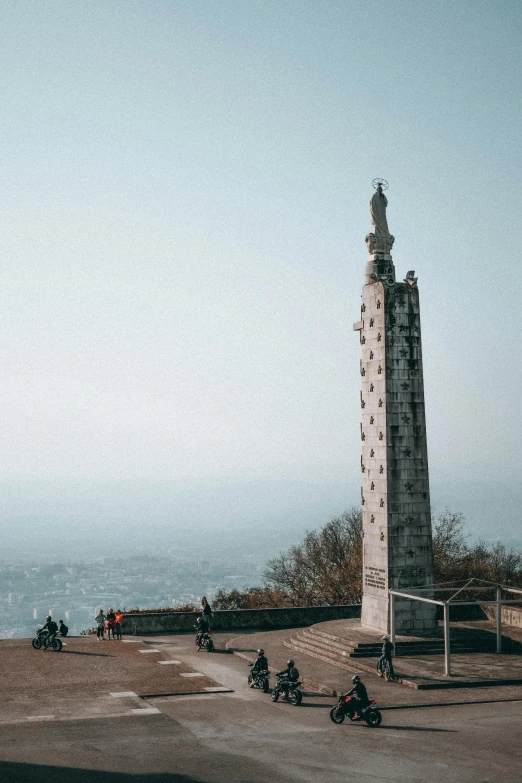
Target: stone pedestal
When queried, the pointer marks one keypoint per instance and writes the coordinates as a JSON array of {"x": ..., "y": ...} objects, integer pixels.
[{"x": 397, "y": 543}]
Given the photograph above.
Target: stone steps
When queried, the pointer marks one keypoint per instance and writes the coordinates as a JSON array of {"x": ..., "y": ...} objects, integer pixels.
[
  {"x": 349, "y": 654},
  {"x": 353, "y": 649}
]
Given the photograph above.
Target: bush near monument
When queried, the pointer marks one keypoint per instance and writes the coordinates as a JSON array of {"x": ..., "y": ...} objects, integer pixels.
[{"x": 326, "y": 567}]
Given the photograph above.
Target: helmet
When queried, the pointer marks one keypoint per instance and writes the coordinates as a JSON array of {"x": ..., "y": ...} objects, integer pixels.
[
  {"x": 356, "y": 679},
  {"x": 260, "y": 652},
  {"x": 290, "y": 662},
  {"x": 48, "y": 617},
  {"x": 386, "y": 637}
]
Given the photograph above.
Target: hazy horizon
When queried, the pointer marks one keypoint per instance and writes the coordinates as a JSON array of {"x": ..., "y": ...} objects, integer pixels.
[{"x": 67, "y": 521}]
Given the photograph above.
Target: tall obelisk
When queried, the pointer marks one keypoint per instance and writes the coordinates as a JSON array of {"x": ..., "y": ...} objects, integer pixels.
[{"x": 397, "y": 539}]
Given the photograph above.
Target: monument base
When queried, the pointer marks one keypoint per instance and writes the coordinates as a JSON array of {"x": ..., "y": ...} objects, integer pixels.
[{"x": 412, "y": 618}]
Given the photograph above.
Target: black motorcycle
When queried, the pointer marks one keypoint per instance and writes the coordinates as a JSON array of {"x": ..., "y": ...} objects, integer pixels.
[
  {"x": 203, "y": 640},
  {"x": 289, "y": 691},
  {"x": 259, "y": 679},
  {"x": 42, "y": 639},
  {"x": 347, "y": 706}
]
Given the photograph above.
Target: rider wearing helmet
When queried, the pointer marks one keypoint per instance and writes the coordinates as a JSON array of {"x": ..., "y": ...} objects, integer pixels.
[
  {"x": 360, "y": 695},
  {"x": 51, "y": 627},
  {"x": 290, "y": 674},
  {"x": 261, "y": 663},
  {"x": 386, "y": 655}
]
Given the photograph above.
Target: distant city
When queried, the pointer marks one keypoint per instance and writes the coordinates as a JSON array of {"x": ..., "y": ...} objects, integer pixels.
[{"x": 74, "y": 592}]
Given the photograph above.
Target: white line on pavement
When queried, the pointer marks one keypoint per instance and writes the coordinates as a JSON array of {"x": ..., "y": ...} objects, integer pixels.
[
  {"x": 166, "y": 663},
  {"x": 192, "y": 674},
  {"x": 119, "y": 694}
]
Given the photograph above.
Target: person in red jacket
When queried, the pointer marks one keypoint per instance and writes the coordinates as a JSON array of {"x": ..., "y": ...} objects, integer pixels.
[{"x": 117, "y": 624}]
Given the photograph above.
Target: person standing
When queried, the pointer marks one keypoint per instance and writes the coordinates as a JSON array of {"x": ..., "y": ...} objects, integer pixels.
[
  {"x": 100, "y": 622},
  {"x": 111, "y": 622},
  {"x": 117, "y": 624},
  {"x": 206, "y": 614}
]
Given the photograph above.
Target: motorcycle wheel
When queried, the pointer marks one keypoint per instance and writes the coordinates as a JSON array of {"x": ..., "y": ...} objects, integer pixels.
[
  {"x": 336, "y": 715},
  {"x": 210, "y": 645},
  {"x": 56, "y": 645},
  {"x": 295, "y": 698},
  {"x": 275, "y": 694},
  {"x": 373, "y": 719},
  {"x": 37, "y": 644},
  {"x": 265, "y": 687}
]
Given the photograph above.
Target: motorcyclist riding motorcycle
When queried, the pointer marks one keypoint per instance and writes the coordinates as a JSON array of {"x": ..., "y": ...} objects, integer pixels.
[
  {"x": 261, "y": 663},
  {"x": 51, "y": 628},
  {"x": 290, "y": 674},
  {"x": 360, "y": 693},
  {"x": 386, "y": 655}
]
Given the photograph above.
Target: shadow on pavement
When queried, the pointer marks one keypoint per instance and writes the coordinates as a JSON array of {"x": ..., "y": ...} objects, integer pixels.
[
  {"x": 79, "y": 652},
  {"x": 11, "y": 772},
  {"x": 418, "y": 728},
  {"x": 316, "y": 706}
]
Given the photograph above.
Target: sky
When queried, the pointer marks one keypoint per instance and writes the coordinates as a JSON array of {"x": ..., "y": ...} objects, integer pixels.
[{"x": 184, "y": 200}]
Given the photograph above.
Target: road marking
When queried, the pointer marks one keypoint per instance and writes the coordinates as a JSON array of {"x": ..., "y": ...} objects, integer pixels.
[
  {"x": 149, "y": 651},
  {"x": 166, "y": 663},
  {"x": 146, "y": 711},
  {"x": 119, "y": 694},
  {"x": 217, "y": 690},
  {"x": 131, "y": 641},
  {"x": 191, "y": 674},
  {"x": 41, "y": 717}
]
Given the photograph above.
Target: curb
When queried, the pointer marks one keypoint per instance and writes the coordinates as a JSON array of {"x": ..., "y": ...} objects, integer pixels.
[
  {"x": 447, "y": 704},
  {"x": 184, "y": 693}
]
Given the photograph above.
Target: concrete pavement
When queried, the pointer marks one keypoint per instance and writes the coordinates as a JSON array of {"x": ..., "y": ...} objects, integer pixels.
[
  {"x": 242, "y": 737},
  {"x": 332, "y": 679}
]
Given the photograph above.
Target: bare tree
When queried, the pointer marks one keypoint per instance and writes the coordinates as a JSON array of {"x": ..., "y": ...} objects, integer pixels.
[{"x": 325, "y": 568}]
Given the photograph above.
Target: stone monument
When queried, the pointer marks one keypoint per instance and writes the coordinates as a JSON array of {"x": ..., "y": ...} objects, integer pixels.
[{"x": 397, "y": 539}]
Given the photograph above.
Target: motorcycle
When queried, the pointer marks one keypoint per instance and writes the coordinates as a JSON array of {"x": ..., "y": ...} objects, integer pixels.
[
  {"x": 346, "y": 706},
  {"x": 42, "y": 639},
  {"x": 203, "y": 640},
  {"x": 259, "y": 679},
  {"x": 292, "y": 694}
]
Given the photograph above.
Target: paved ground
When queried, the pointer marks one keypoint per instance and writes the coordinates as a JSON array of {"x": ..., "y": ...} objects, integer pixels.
[
  {"x": 242, "y": 737},
  {"x": 90, "y": 678},
  {"x": 332, "y": 679},
  {"x": 427, "y": 671}
]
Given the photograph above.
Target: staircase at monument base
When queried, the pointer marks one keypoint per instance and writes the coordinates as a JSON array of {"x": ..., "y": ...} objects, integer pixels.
[{"x": 349, "y": 654}]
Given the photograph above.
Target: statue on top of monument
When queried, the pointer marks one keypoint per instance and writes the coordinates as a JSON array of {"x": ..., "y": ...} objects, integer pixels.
[{"x": 381, "y": 241}]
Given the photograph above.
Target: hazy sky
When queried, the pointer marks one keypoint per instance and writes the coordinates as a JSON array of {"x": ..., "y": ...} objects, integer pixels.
[{"x": 184, "y": 201}]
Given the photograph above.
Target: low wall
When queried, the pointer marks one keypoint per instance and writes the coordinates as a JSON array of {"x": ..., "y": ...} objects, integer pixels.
[
  {"x": 462, "y": 613},
  {"x": 511, "y": 615},
  {"x": 235, "y": 619}
]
